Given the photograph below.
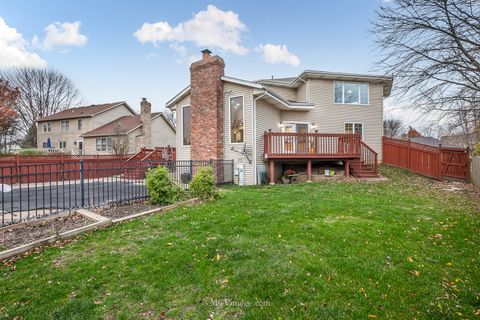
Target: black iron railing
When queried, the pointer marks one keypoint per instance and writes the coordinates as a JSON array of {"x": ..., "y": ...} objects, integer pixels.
[{"x": 34, "y": 191}]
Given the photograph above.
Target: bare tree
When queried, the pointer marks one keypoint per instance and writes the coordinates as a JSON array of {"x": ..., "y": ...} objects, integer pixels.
[
  {"x": 42, "y": 93},
  {"x": 432, "y": 47},
  {"x": 392, "y": 128},
  {"x": 119, "y": 142}
]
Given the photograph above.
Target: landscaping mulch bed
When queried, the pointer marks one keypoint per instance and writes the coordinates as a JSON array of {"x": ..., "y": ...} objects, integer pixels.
[
  {"x": 37, "y": 230},
  {"x": 125, "y": 209}
]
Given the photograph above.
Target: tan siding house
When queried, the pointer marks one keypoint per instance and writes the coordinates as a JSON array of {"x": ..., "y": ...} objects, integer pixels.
[
  {"x": 312, "y": 105},
  {"x": 111, "y": 128}
]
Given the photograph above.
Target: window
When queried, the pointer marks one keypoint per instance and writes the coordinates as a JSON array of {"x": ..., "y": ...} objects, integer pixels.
[
  {"x": 236, "y": 120},
  {"x": 47, "y": 127},
  {"x": 62, "y": 144},
  {"x": 44, "y": 145},
  {"x": 103, "y": 144},
  {"x": 79, "y": 124},
  {"x": 65, "y": 125},
  {"x": 186, "y": 125},
  {"x": 351, "y": 92},
  {"x": 353, "y": 127}
]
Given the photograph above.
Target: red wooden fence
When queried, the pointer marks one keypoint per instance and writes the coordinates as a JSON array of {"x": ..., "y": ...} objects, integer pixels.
[
  {"x": 43, "y": 168},
  {"x": 433, "y": 162}
]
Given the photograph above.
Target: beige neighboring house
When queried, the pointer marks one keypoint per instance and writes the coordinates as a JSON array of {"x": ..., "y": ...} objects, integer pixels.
[
  {"x": 112, "y": 128},
  {"x": 221, "y": 117}
]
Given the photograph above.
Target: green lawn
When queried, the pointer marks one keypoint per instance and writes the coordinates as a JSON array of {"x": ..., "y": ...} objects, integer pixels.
[{"x": 397, "y": 249}]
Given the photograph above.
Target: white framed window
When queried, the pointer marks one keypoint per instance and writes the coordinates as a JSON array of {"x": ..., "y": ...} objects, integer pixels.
[
  {"x": 62, "y": 144},
  {"x": 354, "y": 127},
  {"x": 65, "y": 125},
  {"x": 44, "y": 145},
  {"x": 237, "y": 115},
  {"x": 351, "y": 92},
  {"x": 79, "y": 124},
  {"x": 47, "y": 127},
  {"x": 103, "y": 144},
  {"x": 186, "y": 125}
]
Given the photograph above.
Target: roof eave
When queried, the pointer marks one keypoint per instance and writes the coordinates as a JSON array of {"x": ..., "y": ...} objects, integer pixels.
[{"x": 170, "y": 103}]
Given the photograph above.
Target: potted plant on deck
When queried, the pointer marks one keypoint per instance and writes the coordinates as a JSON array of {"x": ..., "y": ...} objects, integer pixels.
[{"x": 286, "y": 178}]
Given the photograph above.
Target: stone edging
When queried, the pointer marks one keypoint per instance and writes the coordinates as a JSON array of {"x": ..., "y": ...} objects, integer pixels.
[{"x": 101, "y": 222}]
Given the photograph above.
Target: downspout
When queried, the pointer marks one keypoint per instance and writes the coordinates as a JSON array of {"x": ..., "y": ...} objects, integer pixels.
[{"x": 254, "y": 141}]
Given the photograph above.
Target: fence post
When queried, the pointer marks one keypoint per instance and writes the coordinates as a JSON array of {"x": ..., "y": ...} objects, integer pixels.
[
  {"x": 82, "y": 185},
  {"x": 191, "y": 169},
  {"x": 409, "y": 155}
]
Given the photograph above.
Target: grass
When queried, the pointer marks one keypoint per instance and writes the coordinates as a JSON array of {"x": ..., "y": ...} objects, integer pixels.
[{"x": 397, "y": 249}]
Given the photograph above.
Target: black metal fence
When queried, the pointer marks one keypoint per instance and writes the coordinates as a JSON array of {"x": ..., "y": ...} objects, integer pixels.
[{"x": 38, "y": 190}]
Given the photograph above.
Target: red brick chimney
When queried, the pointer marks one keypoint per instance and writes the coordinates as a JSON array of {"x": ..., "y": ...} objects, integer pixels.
[{"x": 206, "y": 107}]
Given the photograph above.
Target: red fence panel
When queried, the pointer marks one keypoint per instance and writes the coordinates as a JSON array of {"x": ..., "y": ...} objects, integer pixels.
[{"x": 430, "y": 161}]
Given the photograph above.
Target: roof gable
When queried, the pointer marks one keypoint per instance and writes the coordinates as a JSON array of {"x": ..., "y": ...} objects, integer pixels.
[{"x": 85, "y": 111}]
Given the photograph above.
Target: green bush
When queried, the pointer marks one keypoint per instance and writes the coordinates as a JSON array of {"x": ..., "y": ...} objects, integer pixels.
[
  {"x": 161, "y": 188},
  {"x": 31, "y": 152},
  {"x": 477, "y": 149},
  {"x": 203, "y": 185}
]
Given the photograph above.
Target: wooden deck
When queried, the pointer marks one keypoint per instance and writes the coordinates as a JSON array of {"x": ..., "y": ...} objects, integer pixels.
[{"x": 357, "y": 156}]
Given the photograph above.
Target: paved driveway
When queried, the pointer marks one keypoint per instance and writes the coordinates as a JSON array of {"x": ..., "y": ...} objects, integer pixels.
[{"x": 66, "y": 196}]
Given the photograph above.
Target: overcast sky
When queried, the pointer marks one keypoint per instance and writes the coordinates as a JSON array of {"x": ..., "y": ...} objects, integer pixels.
[{"x": 124, "y": 50}]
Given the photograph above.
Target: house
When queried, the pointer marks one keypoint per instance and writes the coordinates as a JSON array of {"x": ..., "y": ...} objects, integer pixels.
[
  {"x": 111, "y": 128},
  {"x": 315, "y": 116}
]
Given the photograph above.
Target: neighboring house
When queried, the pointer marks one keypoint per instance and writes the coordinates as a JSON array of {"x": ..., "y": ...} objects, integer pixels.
[
  {"x": 220, "y": 117},
  {"x": 112, "y": 128},
  {"x": 462, "y": 140}
]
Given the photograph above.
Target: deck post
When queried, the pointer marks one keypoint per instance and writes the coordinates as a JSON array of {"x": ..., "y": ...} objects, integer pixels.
[
  {"x": 272, "y": 172},
  {"x": 347, "y": 168},
  {"x": 309, "y": 171}
]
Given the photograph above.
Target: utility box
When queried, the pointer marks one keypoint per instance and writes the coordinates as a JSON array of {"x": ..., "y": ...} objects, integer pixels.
[{"x": 240, "y": 172}]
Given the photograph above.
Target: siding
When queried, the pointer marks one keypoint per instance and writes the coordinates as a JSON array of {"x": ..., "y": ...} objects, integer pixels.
[
  {"x": 268, "y": 118},
  {"x": 183, "y": 152},
  {"x": 302, "y": 93},
  {"x": 162, "y": 134},
  {"x": 73, "y": 134},
  {"x": 287, "y": 93},
  {"x": 110, "y": 115},
  {"x": 56, "y": 135},
  {"x": 229, "y": 154},
  {"x": 330, "y": 117}
]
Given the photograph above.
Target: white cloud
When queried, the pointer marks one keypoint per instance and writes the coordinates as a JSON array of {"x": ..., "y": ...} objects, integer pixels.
[
  {"x": 14, "y": 49},
  {"x": 278, "y": 54},
  {"x": 61, "y": 34},
  {"x": 210, "y": 28}
]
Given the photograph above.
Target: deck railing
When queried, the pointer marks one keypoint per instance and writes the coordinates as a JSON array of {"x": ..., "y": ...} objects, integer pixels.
[
  {"x": 368, "y": 161},
  {"x": 282, "y": 145}
]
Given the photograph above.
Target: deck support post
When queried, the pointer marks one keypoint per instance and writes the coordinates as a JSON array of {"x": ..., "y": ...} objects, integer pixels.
[
  {"x": 347, "y": 168},
  {"x": 309, "y": 171},
  {"x": 272, "y": 172}
]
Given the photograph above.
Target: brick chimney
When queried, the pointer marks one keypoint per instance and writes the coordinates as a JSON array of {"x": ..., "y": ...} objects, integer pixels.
[
  {"x": 146, "y": 118},
  {"x": 206, "y": 107}
]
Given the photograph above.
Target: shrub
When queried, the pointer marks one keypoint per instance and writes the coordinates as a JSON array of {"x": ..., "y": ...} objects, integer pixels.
[
  {"x": 161, "y": 188},
  {"x": 203, "y": 185},
  {"x": 31, "y": 152},
  {"x": 477, "y": 149}
]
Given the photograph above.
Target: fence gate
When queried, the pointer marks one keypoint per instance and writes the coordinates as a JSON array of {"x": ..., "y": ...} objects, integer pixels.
[
  {"x": 433, "y": 162},
  {"x": 455, "y": 163}
]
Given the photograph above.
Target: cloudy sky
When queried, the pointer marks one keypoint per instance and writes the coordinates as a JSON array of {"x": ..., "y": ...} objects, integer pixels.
[{"x": 124, "y": 50}]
